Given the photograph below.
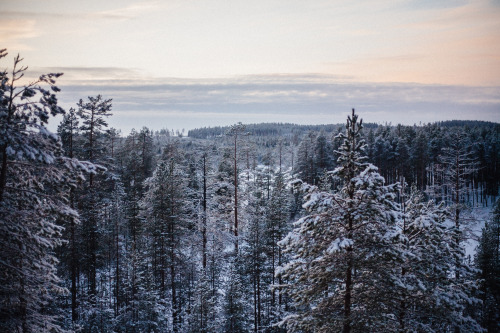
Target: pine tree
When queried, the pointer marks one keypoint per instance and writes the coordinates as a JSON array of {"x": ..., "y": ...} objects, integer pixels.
[
  {"x": 488, "y": 261},
  {"x": 431, "y": 299},
  {"x": 35, "y": 182},
  {"x": 277, "y": 218},
  {"x": 236, "y": 310},
  {"x": 169, "y": 228},
  {"x": 323, "y": 155},
  {"x": 305, "y": 167},
  {"x": 419, "y": 159},
  {"x": 68, "y": 131},
  {"x": 458, "y": 165},
  {"x": 254, "y": 250},
  {"x": 343, "y": 271},
  {"x": 236, "y": 132},
  {"x": 92, "y": 115}
]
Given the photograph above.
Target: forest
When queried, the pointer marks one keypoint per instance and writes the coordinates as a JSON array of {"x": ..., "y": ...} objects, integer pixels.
[{"x": 248, "y": 228}]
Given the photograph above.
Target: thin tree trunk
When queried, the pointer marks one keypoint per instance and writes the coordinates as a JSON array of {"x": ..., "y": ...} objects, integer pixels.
[
  {"x": 3, "y": 172},
  {"x": 235, "y": 197},
  {"x": 347, "y": 297},
  {"x": 173, "y": 289},
  {"x": 255, "y": 325},
  {"x": 259, "y": 304},
  {"x": 204, "y": 230},
  {"x": 74, "y": 314},
  {"x": 117, "y": 269}
]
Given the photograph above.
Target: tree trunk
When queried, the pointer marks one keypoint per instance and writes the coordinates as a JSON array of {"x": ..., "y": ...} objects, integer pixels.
[
  {"x": 74, "y": 314},
  {"x": 3, "y": 172},
  {"x": 204, "y": 230},
  {"x": 117, "y": 269},
  {"x": 235, "y": 197},
  {"x": 347, "y": 297}
]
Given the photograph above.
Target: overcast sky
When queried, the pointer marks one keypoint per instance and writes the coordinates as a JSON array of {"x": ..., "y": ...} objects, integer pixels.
[{"x": 194, "y": 63}]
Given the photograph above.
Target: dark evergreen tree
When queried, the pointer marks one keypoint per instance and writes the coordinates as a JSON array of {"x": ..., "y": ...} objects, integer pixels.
[
  {"x": 323, "y": 154},
  {"x": 419, "y": 158},
  {"x": 254, "y": 252},
  {"x": 277, "y": 218},
  {"x": 236, "y": 132},
  {"x": 169, "y": 229},
  {"x": 235, "y": 308},
  {"x": 305, "y": 168},
  {"x": 488, "y": 261}
]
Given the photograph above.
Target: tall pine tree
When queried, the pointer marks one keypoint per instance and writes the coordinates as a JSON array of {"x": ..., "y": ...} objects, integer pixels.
[{"x": 343, "y": 250}]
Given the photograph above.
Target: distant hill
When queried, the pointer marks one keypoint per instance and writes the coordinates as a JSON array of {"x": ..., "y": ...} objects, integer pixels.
[
  {"x": 269, "y": 129},
  {"x": 287, "y": 129}
]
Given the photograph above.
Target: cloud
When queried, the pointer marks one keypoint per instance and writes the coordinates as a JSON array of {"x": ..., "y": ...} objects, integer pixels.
[
  {"x": 78, "y": 75},
  {"x": 128, "y": 12},
  {"x": 122, "y": 13},
  {"x": 305, "y": 99},
  {"x": 475, "y": 15},
  {"x": 13, "y": 31}
]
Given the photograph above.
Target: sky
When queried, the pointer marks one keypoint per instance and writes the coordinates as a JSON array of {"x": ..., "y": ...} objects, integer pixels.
[{"x": 195, "y": 63}]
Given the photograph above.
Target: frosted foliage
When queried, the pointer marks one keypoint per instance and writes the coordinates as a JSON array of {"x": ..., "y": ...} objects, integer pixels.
[
  {"x": 360, "y": 263},
  {"x": 432, "y": 297},
  {"x": 341, "y": 249},
  {"x": 35, "y": 180}
]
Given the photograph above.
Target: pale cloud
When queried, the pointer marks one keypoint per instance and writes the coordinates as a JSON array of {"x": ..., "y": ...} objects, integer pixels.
[
  {"x": 115, "y": 42},
  {"x": 129, "y": 12},
  {"x": 21, "y": 14},
  {"x": 475, "y": 15},
  {"x": 303, "y": 99},
  {"x": 14, "y": 32},
  {"x": 66, "y": 20},
  {"x": 361, "y": 32},
  {"x": 92, "y": 74},
  {"x": 67, "y": 11}
]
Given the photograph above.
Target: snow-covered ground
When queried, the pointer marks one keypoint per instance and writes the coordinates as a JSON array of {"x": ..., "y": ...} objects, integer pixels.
[{"x": 474, "y": 219}]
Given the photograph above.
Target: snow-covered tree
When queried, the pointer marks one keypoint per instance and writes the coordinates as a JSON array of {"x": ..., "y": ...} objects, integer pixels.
[
  {"x": 458, "y": 164},
  {"x": 165, "y": 207},
  {"x": 235, "y": 308},
  {"x": 35, "y": 182},
  {"x": 236, "y": 132},
  {"x": 344, "y": 250},
  {"x": 67, "y": 131},
  {"x": 92, "y": 114},
  {"x": 305, "y": 167},
  {"x": 93, "y": 122},
  {"x": 323, "y": 155},
  {"x": 277, "y": 221},
  {"x": 488, "y": 261},
  {"x": 431, "y": 299},
  {"x": 254, "y": 251}
]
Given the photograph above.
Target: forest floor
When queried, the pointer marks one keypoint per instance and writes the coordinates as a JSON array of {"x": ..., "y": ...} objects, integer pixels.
[{"x": 475, "y": 219}]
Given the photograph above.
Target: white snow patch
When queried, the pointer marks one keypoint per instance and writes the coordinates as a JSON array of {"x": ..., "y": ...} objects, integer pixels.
[{"x": 339, "y": 244}]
